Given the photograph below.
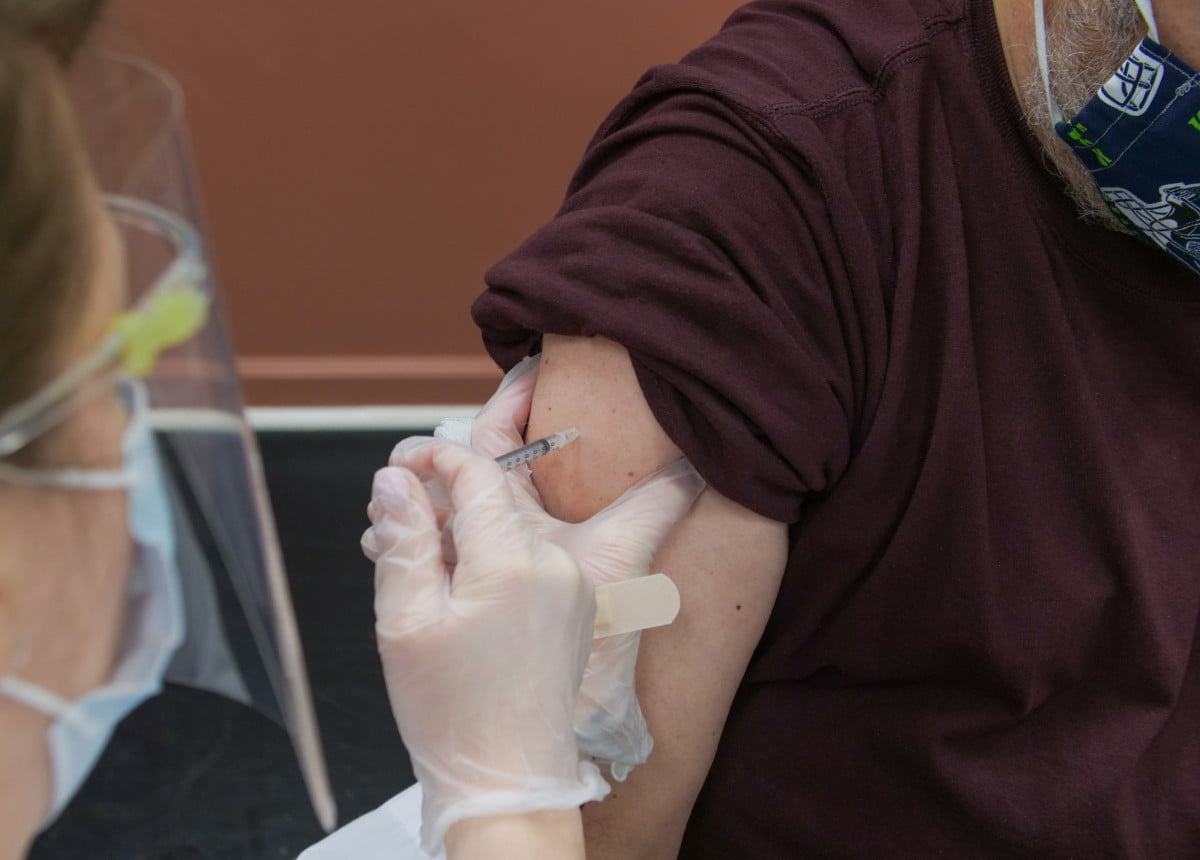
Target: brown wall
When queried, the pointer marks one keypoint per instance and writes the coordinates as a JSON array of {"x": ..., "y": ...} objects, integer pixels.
[{"x": 364, "y": 162}]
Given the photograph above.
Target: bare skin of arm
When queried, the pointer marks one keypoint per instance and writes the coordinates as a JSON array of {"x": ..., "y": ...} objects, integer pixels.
[
  {"x": 546, "y": 835},
  {"x": 726, "y": 560}
]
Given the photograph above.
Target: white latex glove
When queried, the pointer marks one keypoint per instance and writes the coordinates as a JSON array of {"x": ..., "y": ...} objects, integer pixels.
[
  {"x": 482, "y": 657},
  {"x": 616, "y": 544}
]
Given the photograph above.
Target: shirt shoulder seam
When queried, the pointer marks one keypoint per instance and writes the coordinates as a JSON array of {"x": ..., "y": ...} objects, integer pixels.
[{"x": 903, "y": 55}]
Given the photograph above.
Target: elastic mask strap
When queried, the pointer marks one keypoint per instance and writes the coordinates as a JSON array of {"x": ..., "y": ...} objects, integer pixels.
[
  {"x": 32, "y": 696},
  {"x": 1039, "y": 32},
  {"x": 1147, "y": 10},
  {"x": 133, "y": 394},
  {"x": 67, "y": 479}
]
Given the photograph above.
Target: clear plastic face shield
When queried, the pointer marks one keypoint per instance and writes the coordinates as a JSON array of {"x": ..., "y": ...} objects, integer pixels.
[{"x": 241, "y": 637}]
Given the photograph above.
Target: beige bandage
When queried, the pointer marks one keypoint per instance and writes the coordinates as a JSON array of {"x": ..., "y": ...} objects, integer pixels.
[{"x": 635, "y": 604}]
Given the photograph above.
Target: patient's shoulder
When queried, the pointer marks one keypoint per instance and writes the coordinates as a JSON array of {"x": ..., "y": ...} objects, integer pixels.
[{"x": 589, "y": 383}]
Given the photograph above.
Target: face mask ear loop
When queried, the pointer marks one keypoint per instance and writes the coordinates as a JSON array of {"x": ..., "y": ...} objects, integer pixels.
[
  {"x": 1147, "y": 10},
  {"x": 67, "y": 479},
  {"x": 137, "y": 405},
  {"x": 33, "y": 697},
  {"x": 1039, "y": 30}
]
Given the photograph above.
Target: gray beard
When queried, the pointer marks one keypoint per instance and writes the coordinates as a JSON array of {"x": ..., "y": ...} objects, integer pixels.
[{"x": 1087, "y": 40}]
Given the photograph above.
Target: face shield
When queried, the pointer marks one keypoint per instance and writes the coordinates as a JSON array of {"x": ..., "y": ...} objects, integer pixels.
[{"x": 242, "y": 640}]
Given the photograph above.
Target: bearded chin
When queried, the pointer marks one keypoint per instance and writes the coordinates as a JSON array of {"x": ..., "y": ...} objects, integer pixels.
[{"x": 1087, "y": 41}]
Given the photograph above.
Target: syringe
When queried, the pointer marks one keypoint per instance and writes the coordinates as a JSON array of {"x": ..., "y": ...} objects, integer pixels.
[{"x": 533, "y": 450}]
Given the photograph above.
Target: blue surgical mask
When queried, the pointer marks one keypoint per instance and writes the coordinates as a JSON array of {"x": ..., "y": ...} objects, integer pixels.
[
  {"x": 154, "y": 620},
  {"x": 1139, "y": 136}
]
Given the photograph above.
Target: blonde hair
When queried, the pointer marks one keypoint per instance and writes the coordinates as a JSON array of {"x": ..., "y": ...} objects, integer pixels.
[{"x": 46, "y": 226}]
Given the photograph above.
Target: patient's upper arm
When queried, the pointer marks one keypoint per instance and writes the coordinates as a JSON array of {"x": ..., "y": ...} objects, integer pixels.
[{"x": 726, "y": 560}]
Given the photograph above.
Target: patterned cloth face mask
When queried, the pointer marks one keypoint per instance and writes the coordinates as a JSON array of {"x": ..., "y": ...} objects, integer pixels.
[
  {"x": 154, "y": 623},
  {"x": 1139, "y": 136}
]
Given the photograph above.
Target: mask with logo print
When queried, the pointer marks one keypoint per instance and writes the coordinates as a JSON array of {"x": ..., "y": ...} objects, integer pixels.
[{"x": 1139, "y": 137}]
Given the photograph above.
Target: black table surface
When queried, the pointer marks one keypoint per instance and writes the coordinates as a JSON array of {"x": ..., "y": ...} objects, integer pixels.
[{"x": 191, "y": 775}]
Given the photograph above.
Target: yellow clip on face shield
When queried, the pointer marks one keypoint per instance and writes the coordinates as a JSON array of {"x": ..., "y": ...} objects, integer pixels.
[
  {"x": 171, "y": 311},
  {"x": 169, "y": 315},
  {"x": 170, "y": 318}
]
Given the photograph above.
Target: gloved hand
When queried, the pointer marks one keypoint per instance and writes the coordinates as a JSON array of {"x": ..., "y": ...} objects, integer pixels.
[
  {"x": 616, "y": 544},
  {"x": 482, "y": 658}
]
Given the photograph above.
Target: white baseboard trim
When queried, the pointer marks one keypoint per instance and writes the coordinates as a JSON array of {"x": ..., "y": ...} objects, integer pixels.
[{"x": 266, "y": 419}]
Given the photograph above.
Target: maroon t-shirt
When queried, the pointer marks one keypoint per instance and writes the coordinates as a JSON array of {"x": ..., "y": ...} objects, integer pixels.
[{"x": 859, "y": 304}]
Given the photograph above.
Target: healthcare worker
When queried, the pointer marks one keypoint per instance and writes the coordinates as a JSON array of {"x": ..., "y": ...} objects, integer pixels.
[{"x": 136, "y": 539}]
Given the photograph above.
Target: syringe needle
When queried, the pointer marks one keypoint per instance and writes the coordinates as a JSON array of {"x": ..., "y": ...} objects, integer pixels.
[{"x": 539, "y": 448}]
